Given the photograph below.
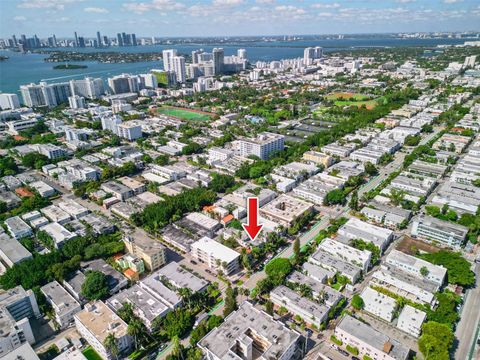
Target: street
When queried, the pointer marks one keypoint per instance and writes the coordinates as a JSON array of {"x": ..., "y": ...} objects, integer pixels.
[{"x": 469, "y": 321}]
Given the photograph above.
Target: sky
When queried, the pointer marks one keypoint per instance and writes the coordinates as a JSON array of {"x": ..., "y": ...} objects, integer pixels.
[{"x": 169, "y": 18}]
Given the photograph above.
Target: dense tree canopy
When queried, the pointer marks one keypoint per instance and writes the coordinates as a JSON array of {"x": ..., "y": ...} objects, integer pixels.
[
  {"x": 95, "y": 286},
  {"x": 458, "y": 269}
]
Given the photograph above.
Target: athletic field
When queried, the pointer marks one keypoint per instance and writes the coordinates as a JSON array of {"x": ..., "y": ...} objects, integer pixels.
[
  {"x": 347, "y": 99},
  {"x": 184, "y": 114}
]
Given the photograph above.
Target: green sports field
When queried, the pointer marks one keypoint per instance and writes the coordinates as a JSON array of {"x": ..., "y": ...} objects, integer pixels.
[{"x": 184, "y": 114}]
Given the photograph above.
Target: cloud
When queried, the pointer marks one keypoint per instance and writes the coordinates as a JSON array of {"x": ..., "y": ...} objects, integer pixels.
[
  {"x": 326, "y": 6},
  {"x": 46, "y": 4},
  {"x": 97, "y": 10},
  {"x": 452, "y": 1},
  {"x": 405, "y": 1},
  {"x": 226, "y": 2},
  {"x": 156, "y": 5},
  {"x": 20, "y": 18},
  {"x": 265, "y": 1}
]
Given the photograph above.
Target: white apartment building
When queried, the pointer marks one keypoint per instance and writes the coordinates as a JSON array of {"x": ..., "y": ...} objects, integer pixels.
[
  {"x": 311, "y": 312},
  {"x": 369, "y": 341},
  {"x": 262, "y": 146},
  {"x": 63, "y": 304},
  {"x": 439, "y": 231},
  {"x": 9, "y": 101},
  {"x": 129, "y": 131},
  {"x": 378, "y": 304},
  {"x": 217, "y": 256},
  {"x": 96, "y": 322},
  {"x": 416, "y": 266},
  {"x": 168, "y": 56},
  {"x": 360, "y": 258},
  {"x": 179, "y": 68},
  {"x": 411, "y": 320}
]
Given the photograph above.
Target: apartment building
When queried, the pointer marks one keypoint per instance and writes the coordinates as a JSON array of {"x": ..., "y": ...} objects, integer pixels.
[
  {"x": 335, "y": 264},
  {"x": 318, "y": 158},
  {"x": 416, "y": 266},
  {"x": 378, "y": 304},
  {"x": 410, "y": 320},
  {"x": 311, "y": 312},
  {"x": 151, "y": 251},
  {"x": 360, "y": 258},
  {"x": 323, "y": 293},
  {"x": 18, "y": 228},
  {"x": 369, "y": 341},
  {"x": 284, "y": 210},
  {"x": 217, "y": 256},
  {"x": 95, "y": 322},
  {"x": 262, "y": 146},
  {"x": 358, "y": 229},
  {"x": 249, "y": 333},
  {"x": 63, "y": 304},
  {"x": 439, "y": 231}
]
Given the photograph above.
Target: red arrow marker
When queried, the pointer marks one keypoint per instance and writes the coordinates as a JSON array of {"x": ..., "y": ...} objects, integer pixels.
[{"x": 252, "y": 228}]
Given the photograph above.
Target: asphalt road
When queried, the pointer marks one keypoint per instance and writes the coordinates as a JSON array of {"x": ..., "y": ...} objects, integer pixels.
[{"x": 469, "y": 320}]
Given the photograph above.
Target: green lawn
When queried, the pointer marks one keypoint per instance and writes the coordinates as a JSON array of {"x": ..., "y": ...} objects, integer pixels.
[
  {"x": 91, "y": 354},
  {"x": 184, "y": 114}
]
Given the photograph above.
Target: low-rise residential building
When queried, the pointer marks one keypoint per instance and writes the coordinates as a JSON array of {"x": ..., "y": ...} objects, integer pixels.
[
  {"x": 322, "y": 293},
  {"x": 58, "y": 233},
  {"x": 181, "y": 278},
  {"x": 310, "y": 312},
  {"x": 439, "y": 231},
  {"x": 405, "y": 285},
  {"x": 378, "y": 304},
  {"x": 74, "y": 209},
  {"x": 12, "y": 251},
  {"x": 335, "y": 264},
  {"x": 151, "y": 251},
  {"x": 95, "y": 322},
  {"x": 18, "y": 228},
  {"x": 120, "y": 191},
  {"x": 249, "y": 333},
  {"x": 462, "y": 198},
  {"x": 317, "y": 272},
  {"x": 63, "y": 304},
  {"x": 318, "y": 158},
  {"x": 55, "y": 214},
  {"x": 391, "y": 216},
  {"x": 360, "y": 258},
  {"x": 285, "y": 210},
  {"x": 358, "y": 229},
  {"x": 115, "y": 280},
  {"x": 416, "y": 266},
  {"x": 368, "y": 341},
  {"x": 43, "y": 189},
  {"x": 217, "y": 256},
  {"x": 23, "y": 352},
  {"x": 155, "y": 284},
  {"x": 145, "y": 305},
  {"x": 411, "y": 320}
]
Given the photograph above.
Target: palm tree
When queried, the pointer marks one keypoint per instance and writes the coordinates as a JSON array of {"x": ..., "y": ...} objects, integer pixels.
[
  {"x": 135, "y": 329},
  {"x": 111, "y": 345},
  {"x": 186, "y": 294},
  {"x": 177, "y": 348}
]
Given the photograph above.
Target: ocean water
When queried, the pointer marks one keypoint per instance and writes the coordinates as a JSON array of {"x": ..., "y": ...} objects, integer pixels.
[{"x": 21, "y": 69}]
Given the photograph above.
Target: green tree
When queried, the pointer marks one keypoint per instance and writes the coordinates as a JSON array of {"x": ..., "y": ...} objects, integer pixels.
[
  {"x": 35, "y": 160},
  {"x": 333, "y": 197},
  {"x": 111, "y": 345},
  {"x": 269, "y": 307},
  {"x": 435, "y": 341},
  {"x": 296, "y": 250},
  {"x": 221, "y": 183},
  {"x": 370, "y": 169},
  {"x": 230, "y": 301},
  {"x": 278, "y": 269},
  {"x": 357, "y": 302},
  {"x": 354, "y": 201},
  {"x": 95, "y": 286},
  {"x": 424, "y": 271}
]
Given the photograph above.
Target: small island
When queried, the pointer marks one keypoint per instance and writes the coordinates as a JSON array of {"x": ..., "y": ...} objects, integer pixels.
[{"x": 69, "y": 67}]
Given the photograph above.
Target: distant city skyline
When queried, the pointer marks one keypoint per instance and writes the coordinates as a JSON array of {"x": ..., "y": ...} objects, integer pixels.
[{"x": 169, "y": 18}]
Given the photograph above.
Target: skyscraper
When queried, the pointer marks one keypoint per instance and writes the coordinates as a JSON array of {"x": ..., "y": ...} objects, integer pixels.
[
  {"x": 168, "y": 56},
  {"x": 14, "y": 38},
  {"x": 76, "y": 40},
  {"x": 310, "y": 54},
  {"x": 134, "y": 40},
  {"x": 81, "y": 41},
  {"x": 242, "y": 53},
  {"x": 119, "y": 40},
  {"x": 88, "y": 88},
  {"x": 99, "y": 39},
  {"x": 9, "y": 101},
  {"x": 179, "y": 68},
  {"x": 218, "y": 59},
  {"x": 195, "y": 56}
]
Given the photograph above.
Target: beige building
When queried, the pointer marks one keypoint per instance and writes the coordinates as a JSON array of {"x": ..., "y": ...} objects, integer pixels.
[
  {"x": 318, "y": 158},
  {"x": 151, "y": 251},
  {"x": 96, "y": 322}
]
